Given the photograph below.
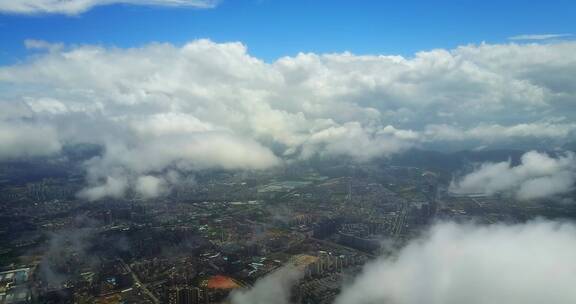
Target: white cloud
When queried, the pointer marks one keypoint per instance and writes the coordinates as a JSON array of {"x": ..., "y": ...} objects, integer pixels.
[
  {"x": 497, "y": 132},
  {"x": 162, "y": 124},
  {"x": 539, "y": 36},
  {"x": 537, "y": 176},
  {"x": 186, "y": 153},
  {"x": 121, "y": 182},
  {"x": 150, "y": 186},
  {"x": 74, "y": 7},
  {"x": 352, "y": 139},
  {"x": 273, "y": 288},
  {"x": 457, "y": 264},
  {"x": 191, "y": 151},
  {"x": 20, "y": 139},
  {"x": 212, "y": 105},
  {"x": 34, "y": 44},
  {"x": 113, "y": 186}
]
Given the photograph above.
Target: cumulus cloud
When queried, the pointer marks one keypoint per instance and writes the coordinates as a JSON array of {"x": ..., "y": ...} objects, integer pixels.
[
  {"x": 273, "y": 288},
  {"x": 149, "y": 186},
  {"x": 121, "y": 182},
  {"x": 352, "y": 139},
  {"x": 112, "y": 186},
  {"x": 537, "y": 176},
  {"x": 74, "y": 7},
  {"x": 213, "y": 105},
  {"x": 118, "y": 182},
  {"x": 20, "y": 139},
  {"x": 459, "y": 263},
  {"x": 196, "y": 151}
]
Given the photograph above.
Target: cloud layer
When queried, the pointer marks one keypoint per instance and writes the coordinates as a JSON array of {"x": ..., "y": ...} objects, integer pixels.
[
  {"x": 457, "y": 264},
  {"x": 204, "y": 105},
  {"x": 537, "y": 176},
  {"x": 74, "y": 7}
]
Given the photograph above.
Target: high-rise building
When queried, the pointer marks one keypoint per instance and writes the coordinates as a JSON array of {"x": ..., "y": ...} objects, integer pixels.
[{"x": 184, "y": 295}]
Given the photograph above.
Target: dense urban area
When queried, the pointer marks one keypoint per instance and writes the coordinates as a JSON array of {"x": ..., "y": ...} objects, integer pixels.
[{"x": 221, "y": 231}]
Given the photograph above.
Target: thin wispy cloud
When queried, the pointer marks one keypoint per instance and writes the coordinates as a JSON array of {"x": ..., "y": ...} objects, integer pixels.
[
  {"x": 75, "y": 7},
  {"x": 539, "y": 36}
]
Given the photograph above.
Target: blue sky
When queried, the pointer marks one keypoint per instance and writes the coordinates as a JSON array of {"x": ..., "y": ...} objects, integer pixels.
[{"x": 272, "y": 29}]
